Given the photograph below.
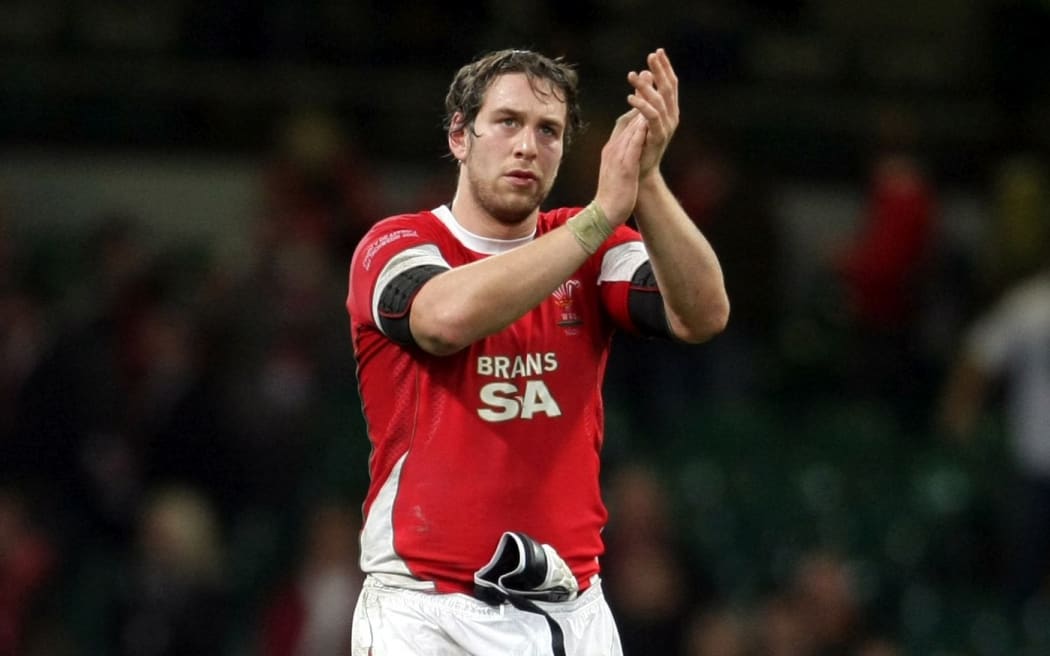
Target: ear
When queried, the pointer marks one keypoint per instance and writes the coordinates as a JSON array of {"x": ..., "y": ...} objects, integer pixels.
[{"x": 458, "y": 139}]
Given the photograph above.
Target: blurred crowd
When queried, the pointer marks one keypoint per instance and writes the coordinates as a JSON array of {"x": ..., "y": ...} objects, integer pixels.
[
  {"x": 173, "y": 431},
  {"x": 183, "y": 456}
]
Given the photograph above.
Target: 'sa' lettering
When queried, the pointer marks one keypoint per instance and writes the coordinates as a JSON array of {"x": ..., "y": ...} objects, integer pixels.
[
  {"x": 503, "y": 401},
  {"x": 538, "y": 400},
  {"x": 501, "y": 407}
]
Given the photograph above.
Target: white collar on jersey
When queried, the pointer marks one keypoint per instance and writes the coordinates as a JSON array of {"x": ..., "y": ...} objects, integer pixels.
[{"x": 477, "y": 243}]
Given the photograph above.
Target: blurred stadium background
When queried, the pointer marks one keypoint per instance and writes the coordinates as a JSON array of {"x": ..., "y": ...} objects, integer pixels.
[{"x": 182, "y": 457}]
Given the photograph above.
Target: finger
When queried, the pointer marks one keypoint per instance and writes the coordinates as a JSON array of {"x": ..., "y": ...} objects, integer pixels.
[
  {"x": 651, "y": 107},
  {"x": 642, "y": 81},
  {"x": 660, "y": 64},
  {"x": 659, "y": 88},
  {"x": 626, "y": 127},
  {"x": 645, "y": 87},
  {"x": 644, "y": 107},
  {"x": 637, "y": 142},
  {"x": 666, "y": 79},
  {"x": 622, "y": 121},
  {"x": 630, "y": 127},
  {"x": 636, "y": 129}
]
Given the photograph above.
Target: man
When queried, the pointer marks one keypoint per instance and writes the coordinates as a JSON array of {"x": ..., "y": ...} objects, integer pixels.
[
  {"x": 481, "y": 331},
  {"x": 1005, "y": 355}
]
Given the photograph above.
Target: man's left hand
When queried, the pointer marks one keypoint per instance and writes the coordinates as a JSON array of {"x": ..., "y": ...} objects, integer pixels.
[{"x": 656, "y": 97}]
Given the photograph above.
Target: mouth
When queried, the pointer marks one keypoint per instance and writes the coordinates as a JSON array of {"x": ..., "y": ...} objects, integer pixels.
[{"x": 521, "y": 177}]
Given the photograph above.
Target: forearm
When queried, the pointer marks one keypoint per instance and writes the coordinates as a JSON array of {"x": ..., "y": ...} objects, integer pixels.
[
  {"x": 686, "y": 267},
  {"x": 470, "y": 302}
]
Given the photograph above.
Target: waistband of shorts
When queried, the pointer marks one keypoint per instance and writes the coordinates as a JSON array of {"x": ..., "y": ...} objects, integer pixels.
[
  {"x": 463, "y": 602},
  {"x": 404, "y": 581}
]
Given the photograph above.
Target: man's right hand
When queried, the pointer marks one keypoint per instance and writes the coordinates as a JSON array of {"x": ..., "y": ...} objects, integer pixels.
[{"x": 619, "y": 170}]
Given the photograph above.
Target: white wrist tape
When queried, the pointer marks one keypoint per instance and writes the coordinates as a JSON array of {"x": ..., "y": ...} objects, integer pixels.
[{"x": 590, "y": 227}]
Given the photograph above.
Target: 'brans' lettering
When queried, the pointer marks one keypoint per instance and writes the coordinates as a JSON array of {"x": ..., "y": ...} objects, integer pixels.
[{"x": 518, "y": 366}]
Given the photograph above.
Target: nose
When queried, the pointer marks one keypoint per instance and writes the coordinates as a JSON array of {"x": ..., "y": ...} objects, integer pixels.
[{"x": 526, "y": 144}]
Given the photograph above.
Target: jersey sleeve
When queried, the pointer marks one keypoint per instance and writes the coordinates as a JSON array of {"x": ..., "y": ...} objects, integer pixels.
[
  {"x": 393, "y": 247},
  {"x": 628, "y": 289}
]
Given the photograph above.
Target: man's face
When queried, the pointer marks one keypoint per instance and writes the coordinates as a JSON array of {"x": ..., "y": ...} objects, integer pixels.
[{"x": 514, "y": 147}]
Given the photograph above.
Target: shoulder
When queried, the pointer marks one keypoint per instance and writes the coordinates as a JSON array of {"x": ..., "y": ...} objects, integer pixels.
[
  {"x": 397, "y": 232},
  {"x": 1034, "y": 291},
  {"x": 1028, "y": 298},
  {"x": 1021, "y": 315},
  {"x": 398, "y": 223}
]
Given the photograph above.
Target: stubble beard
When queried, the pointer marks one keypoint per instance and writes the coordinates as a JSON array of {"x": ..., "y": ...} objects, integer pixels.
[{"x": 508, "y": 207}]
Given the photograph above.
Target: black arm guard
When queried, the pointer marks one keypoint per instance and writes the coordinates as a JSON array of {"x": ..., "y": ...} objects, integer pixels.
[
  {"x": 646, "y": 305},
  {"x": 395, "y": 301}
]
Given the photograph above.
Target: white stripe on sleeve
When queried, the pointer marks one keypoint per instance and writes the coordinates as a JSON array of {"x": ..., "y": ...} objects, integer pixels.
[
  {"x": 620, "y": 262},
  {"x": 403, "y": 261}
]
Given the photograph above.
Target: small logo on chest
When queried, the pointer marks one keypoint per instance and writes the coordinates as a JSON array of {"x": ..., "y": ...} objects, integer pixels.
[{"x": 568, "y": 316}]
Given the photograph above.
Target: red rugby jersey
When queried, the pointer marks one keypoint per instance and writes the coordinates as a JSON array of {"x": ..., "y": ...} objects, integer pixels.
[{"x": 503, "y": 435}]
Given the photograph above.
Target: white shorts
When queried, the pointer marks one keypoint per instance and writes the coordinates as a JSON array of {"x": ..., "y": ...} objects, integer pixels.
[{"x": 392, "y": 621}]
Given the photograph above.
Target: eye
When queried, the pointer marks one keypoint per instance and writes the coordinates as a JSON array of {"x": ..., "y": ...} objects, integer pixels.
[
  {"x": 550, "y": 132},
  {"x": 509, "y": 122}
]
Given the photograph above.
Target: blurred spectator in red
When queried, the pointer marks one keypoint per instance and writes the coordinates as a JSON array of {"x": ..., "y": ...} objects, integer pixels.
[
  {"x": 320, "y": 184},
  {"x": 882, "y": 268},
  {"x": 311, "y": 614},
  {"x": 886, "y": 273},
  {"x": 28, "y": 559}
]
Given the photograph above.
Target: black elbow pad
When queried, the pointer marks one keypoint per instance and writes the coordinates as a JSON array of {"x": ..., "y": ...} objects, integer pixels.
[
  {"x": 395, "y": 301},
  {"x": 645, "y": 303}
]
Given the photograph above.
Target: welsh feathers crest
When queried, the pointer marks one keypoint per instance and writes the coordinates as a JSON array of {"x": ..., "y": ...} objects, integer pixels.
[{"x": 564, "y": 298}]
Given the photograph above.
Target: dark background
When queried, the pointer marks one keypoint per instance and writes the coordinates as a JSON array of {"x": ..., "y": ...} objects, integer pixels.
[{"x": 181, "y": 185}]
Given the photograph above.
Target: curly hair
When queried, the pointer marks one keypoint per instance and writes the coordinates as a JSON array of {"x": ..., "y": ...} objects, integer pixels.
[{"x": 472, "y": 81}]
